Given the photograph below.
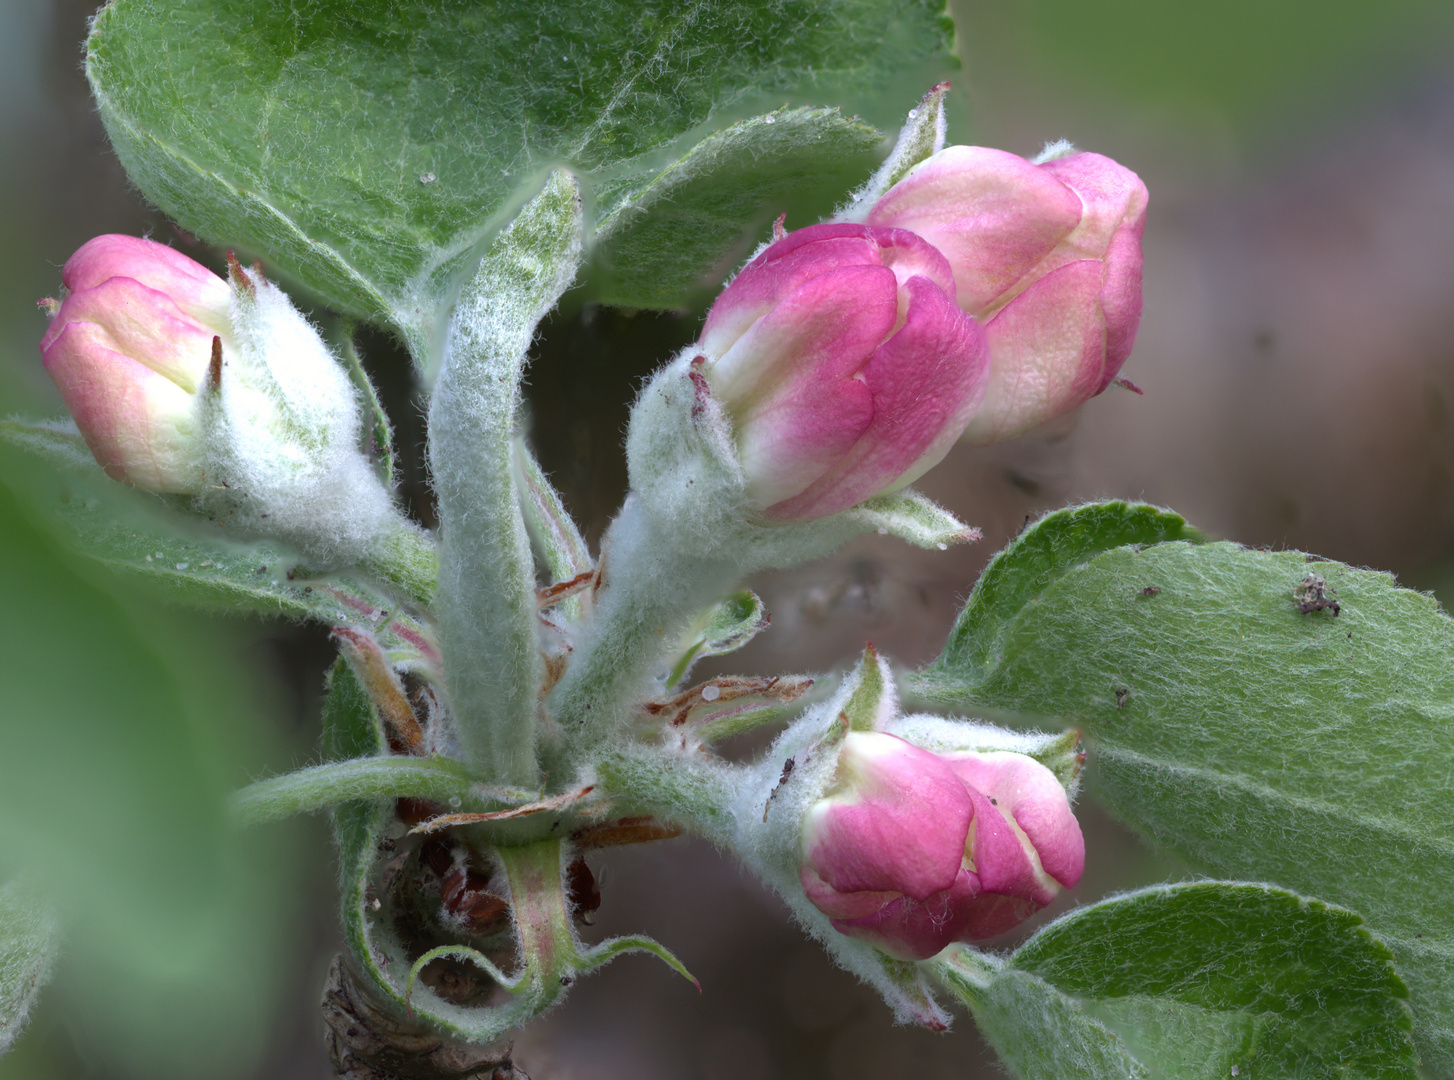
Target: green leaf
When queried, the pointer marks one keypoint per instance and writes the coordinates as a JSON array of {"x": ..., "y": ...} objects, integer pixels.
[
  {"x": 437, "y": 778},
  {"x": 1197, "y": 981},
  {"x": 146, "y": 536},
  {"x": 723, "y": 628},
  {"x": 1040, "y": 554},
  {"x": 124, "y": 726},
  {"x": 687, "y": 225},
  {"x": 1251, "y": 738},
  {"x": 29, "y": 941},
  {"x": 371, "y": 149},
  {"x": 1038, "y": 1032}
]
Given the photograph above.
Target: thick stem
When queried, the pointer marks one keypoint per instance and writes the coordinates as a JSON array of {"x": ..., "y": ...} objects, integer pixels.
[
  {"x": 651, "y": 592},
  {"x": 486, "y": 604}
]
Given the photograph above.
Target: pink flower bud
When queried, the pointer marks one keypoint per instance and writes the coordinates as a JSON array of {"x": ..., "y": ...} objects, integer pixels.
[
  {"x": 1047, "y": 256},
  {"x": 912, "y": 851},
  {"x": 129, "y": 348},
  {"x": 844, "y": 364}
]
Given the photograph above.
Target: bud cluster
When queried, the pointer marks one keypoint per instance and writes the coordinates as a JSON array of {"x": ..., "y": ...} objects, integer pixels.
[{"x": 982, "y": 296}]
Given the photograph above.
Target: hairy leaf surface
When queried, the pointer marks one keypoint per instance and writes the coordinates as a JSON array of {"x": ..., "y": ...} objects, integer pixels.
[
  {"x": 370, "y": 149},
  {"x": 1235, "y": 722},
  {"x": 1195, "y": 982}
]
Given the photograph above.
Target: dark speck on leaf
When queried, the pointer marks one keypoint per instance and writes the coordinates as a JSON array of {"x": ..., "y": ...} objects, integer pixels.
[
  {"x": 1121, "y": 695},
  {"x": 1314, "y": 595},
  {"x": 1151, "y": 590}
]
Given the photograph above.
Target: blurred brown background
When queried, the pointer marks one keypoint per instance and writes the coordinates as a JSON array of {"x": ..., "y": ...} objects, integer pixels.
[{"x": 1297, "y": 355}]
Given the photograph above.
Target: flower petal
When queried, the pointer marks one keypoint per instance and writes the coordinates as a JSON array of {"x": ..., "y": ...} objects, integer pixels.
[
  {"x": 925, "y": 383},
  {"x": 898, "y": 825},
  {"x": 993, "y": 215},
  {"x": 141, "y": 427},
  {"x": 913, "y": 929},
  {"x": 1047, "y": 354},
  {"x": 143, "y": 324},
  {"x": 195, "y": 289}
]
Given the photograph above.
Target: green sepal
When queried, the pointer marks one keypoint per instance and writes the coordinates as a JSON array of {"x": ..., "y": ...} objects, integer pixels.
[
  {"x": 1060, "y": 753},
  {"x": 921, "y": 137},
  {"x": 562, "y": 547},
  {"x": 913, "y": 518},
  {"x": 379, "y": 445},
  {"x": 872, "y": 702},
  {"x": 723, "y": 628}
]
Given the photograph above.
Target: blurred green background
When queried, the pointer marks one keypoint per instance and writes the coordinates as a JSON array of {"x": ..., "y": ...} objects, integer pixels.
[{"x": 1297, "y": 358}]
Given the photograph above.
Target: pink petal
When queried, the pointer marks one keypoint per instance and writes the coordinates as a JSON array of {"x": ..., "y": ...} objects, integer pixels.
[
  {"x": 777, "y": 272},
  {"x": 841, "y": 905},
  {"x": 916, "y": 930},
  {"x": 195, "y": 289},
  {"x": 991, "y": 914},
  {"x": 992, "y": 214},
  {"x": 1036, "y": 801},
  {"x": 1047, "y": 351},
  {"x": 1004, "y": 860},
  {"x": 925, "y": 383},
  {"x": 143, "y": 324},
  {"x": 790, "y": 384},
  {"x": 899, "y": 825},
  {"x": 140, "y": 426},
  {"x": 1114, "y": 199},
  {"x": 1121, "y": 300}
]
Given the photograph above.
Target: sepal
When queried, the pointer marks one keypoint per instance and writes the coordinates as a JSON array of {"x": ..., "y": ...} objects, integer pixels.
[
  {"x": 921, "y": 137},
  {"x": 688, "y": 483}
]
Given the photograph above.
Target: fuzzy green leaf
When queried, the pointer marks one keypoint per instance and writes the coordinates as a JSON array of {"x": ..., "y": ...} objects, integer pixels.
[
  {"x": 1249, "y": 736},
  {"x": 1199, "y": 981},
  {"x": 723, "y": 628},
  {"x": 687, "y": 225},
  {"x": 28, "y": 946},
  {"x": 1040, "y": 554},
  {"x": 152, "y": 538},
  {"x": 318, "y": 786},
  {"x": 371, "y": 149}
]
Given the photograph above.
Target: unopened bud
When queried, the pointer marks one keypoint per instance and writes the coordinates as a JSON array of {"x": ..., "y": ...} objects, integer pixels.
[
  {"x": 912, "y": 850},
  {"x": 844, "y": 365},
  {"x": 183, "y": 383},
  {"x": 1047, "y": 257}
]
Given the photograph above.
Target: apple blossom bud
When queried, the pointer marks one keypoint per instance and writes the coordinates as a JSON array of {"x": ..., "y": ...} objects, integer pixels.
[
  {"x": 184, "y": 383},
  {"x": 1047, "y": 257},
  {"x": 912, "y": 851},
  {"x": 844, "y": 365},
  {"x": 129, "y": 349}
]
